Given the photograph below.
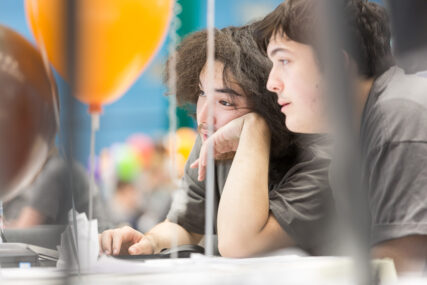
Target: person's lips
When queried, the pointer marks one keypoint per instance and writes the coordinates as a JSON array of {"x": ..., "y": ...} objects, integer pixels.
[
  {"x": 204, "y": 136},
  {"x": 203, "y": 131},
  {"x": 284, "y": 104}
]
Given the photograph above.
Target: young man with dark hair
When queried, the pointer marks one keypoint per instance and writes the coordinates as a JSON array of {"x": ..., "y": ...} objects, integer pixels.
[
  {"x": 274, "y": 193},
  {"x": 391, "y": 108}
]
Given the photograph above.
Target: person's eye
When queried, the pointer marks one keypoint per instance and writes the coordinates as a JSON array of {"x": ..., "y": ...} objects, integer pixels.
[
  {"x": 201, "y": 93},
  {"x": 283, "y": 61},
  {"x": 225, "y": 103}
]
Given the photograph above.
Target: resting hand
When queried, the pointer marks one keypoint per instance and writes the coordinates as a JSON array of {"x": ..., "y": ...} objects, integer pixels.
[
  {"x": 125, "y": 240},
  {"x": 225, "y": 142}
]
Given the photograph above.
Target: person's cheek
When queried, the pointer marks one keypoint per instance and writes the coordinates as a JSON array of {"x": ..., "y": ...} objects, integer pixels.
[{"x": 229, "y": 116}]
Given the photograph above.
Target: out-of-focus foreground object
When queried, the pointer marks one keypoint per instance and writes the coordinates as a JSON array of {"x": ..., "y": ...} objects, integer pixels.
[
  {"x": 409, "y": 25},
  {"x": 28, "y": 121},
  {"x": 115, "y": 42}
]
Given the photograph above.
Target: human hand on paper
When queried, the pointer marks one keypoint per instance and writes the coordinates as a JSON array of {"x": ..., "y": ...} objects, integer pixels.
[{"x": 124, "y": 241}]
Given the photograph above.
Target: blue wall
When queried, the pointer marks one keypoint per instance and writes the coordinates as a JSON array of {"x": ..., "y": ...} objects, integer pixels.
[{"x": 143, "y": 108}]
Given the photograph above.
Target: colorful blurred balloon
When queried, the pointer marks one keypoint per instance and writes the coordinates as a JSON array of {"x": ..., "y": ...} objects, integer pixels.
[
  {"x": 116, "y": 40},
  {"x": 144, "y": 146},
  {"x": 128, "y": 164},
  {"x": 28, "y": 114},
  {"x": 185, "y": 139}
]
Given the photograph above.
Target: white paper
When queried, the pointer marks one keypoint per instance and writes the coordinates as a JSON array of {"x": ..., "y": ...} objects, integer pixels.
[{"x": 79, "y": 251}]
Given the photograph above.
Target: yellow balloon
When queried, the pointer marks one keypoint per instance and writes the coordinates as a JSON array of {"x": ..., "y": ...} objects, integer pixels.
[
  {"x": 186, "y": 137},
  {"x": 115, "y": 41}
]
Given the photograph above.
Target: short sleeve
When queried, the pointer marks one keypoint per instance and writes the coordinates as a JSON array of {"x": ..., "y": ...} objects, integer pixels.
[
  {"x": 302, "y": 202},
  {"x": 398, "y": 190},
  {"x": 396, "y": 165},
  {"x": 188, "y": 205}
]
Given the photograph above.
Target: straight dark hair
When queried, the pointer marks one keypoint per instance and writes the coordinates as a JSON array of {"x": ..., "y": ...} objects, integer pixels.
[{"x": 366, "y": 23}]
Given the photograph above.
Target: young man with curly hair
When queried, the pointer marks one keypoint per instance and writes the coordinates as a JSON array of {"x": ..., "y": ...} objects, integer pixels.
[{"x": 274, "y": 193}]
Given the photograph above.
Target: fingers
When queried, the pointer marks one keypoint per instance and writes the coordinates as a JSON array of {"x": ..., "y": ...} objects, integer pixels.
[
  {"x": 225, "y": 156},
  {"x": 195, "y": 164},
  {"x": 145, "y": 246},
  {"x": 202, "y": 160},
  {"x": 106, "y": 241},
  {"x": 101, "y": 251},
  {"x": 118, "y": 240}
]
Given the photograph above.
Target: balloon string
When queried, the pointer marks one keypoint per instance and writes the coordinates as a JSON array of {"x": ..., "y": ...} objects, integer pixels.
[
  {"x": 92, "y": 186},
  {"x": 210, "y": 169}
]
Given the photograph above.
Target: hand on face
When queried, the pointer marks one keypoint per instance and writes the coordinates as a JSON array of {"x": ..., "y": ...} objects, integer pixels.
[
  {"x": 229, "y": 107},
  {"x": 224, "y": 142},
  {"x": 125, "y": 241}
]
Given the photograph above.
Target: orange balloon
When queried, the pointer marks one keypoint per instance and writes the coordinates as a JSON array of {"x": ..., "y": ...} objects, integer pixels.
[{"x": 115, "y": 41}]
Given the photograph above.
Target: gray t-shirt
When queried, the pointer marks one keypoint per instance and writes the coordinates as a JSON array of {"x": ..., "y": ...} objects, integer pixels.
[
  {"x": 301, "y": 201},
  {"x": 50, "y": 194},
  {"x": 394, "y": 147}
]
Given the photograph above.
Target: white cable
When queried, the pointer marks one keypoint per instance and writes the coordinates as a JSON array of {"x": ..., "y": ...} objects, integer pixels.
[
  {"x": 210, "y": 169},
  {"x": 172, "y": 109}
]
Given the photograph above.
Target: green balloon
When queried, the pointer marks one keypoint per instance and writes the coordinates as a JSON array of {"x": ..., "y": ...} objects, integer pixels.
[{"x": 128, "y": 164}]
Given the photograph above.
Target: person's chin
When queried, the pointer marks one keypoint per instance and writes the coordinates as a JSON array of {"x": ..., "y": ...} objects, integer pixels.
[
  {"x": 303, "y": 127},
  {"x": 294, "y": 126}
]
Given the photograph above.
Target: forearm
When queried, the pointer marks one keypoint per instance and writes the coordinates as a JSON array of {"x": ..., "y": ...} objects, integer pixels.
[
  {"x": 29, "y": 217},
  {"x": 244, "y": 207},
  {"x": 163, "y": 235},
  {"x": 408, "y": 253}
]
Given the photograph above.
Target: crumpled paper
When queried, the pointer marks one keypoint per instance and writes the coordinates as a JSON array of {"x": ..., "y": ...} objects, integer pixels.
[{"x": 79, "y": 249}]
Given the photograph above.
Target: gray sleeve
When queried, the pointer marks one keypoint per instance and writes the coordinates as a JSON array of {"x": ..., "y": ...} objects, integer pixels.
[
  {"x": 302, "y": 203},
  {"x": 398, "y": 190},
  {"x": 188, "y": 205}
]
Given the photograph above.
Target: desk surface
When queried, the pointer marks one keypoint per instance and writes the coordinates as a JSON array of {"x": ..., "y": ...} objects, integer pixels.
[{"x": 204, "y": 270}]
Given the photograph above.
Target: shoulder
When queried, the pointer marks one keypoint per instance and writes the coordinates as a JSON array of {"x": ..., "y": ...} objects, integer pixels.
[
  {"x": 314, "y": 150},
  {"x": 311, "y": 166},
  {"x": 399, "y": 112}
]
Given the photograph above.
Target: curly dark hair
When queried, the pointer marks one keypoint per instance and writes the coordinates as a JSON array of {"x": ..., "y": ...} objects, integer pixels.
[
  {"x": 246, "y": 66},
  {"x": 366, "y": 25}
]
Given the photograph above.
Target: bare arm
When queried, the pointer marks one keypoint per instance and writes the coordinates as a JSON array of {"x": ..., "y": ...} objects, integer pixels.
[
  {"x": 29, "y": 217},
  {"x": 409, "y": 253},
  {"x": 246, "y": 227},
  {"x": 126, "y": 240}
]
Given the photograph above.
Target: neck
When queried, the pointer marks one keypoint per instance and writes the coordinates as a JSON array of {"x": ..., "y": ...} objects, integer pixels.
[{"x": 363, "y": 88}]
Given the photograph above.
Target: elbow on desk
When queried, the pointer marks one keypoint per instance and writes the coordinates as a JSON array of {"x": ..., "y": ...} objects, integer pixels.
[{"x": 233, "y": 248}]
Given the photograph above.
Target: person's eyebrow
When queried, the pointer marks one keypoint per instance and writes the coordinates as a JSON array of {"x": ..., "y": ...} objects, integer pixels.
[
  {"x": 222, "y": 90},
  {"x": 279, "y": 49},
  {"x": 227, "y": 91}
]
